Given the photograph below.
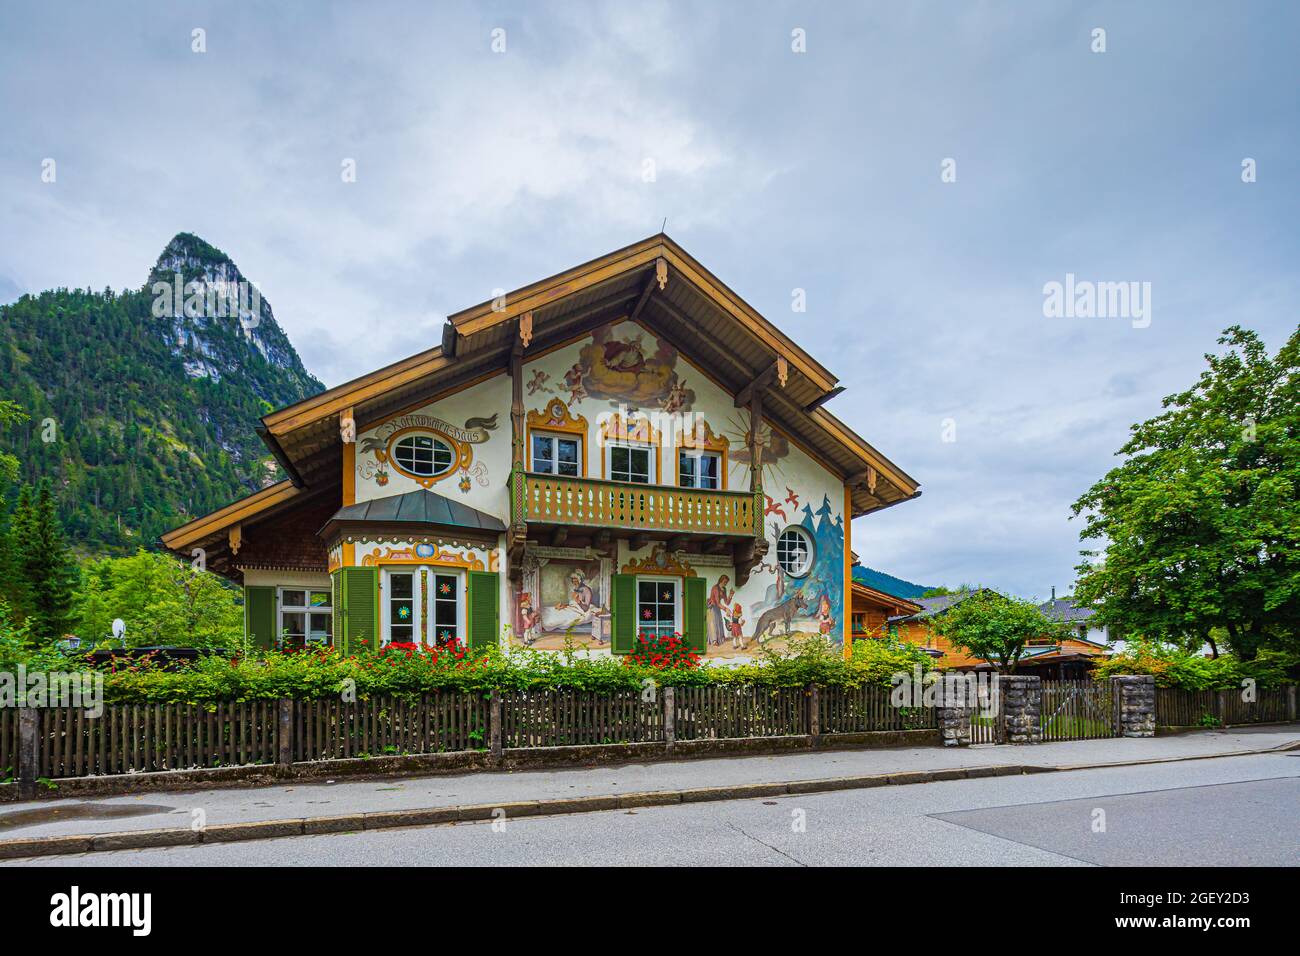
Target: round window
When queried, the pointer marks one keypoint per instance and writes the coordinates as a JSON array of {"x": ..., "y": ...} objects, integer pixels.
[
  {"x": 423, "y": 455},
  {"x": 794, "y": 551}
]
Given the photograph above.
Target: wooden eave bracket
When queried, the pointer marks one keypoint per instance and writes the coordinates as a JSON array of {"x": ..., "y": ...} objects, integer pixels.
[
  {"x": 759, "y": 384},
  {"x": 235, "y": 537}
]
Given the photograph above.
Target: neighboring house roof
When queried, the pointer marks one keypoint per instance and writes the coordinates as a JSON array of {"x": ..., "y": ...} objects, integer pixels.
[
  {"x": 419, "y": 507},
  {"x": 1064, "y": 609},
  {"x": 887, "y": 583},
  {"x": 935, "y": 605}
]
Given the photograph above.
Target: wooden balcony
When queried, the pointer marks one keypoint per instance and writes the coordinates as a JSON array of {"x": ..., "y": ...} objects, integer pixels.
[{"x": 651, "y": 509}]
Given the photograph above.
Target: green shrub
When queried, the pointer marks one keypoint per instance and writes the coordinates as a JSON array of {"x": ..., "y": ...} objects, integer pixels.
[
  {"x": 1173, "y": 667},
  {"x": 408, "y": 671}
]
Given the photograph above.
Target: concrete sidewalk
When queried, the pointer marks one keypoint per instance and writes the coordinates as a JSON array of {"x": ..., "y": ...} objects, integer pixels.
[{"x": 333, "y": 803}]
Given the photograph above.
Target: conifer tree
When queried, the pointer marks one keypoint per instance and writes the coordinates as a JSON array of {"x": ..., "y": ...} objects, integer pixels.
[{"x": 48, "y": 568}]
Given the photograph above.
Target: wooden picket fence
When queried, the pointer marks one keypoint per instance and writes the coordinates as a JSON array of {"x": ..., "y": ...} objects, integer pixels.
[
  {"x": 8, "y": 742},
  {"x": 1078, "y": 710},
  {"x": 720, "y": 711},
  {"x": 849, "y": 710},
  {"x": 1176, "y": 707},
  {"x": 386, "y": 726},
  {"x": 566, "y": 717},
  {"x": 140, "y": 738}
]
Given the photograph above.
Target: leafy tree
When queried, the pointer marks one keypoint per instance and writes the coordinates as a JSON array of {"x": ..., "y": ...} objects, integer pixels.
[
  {"x": 944, "y": 591},
  {"x": 1201, "y": 523},
  {"x": 161, "y": 601},
  {"x": 995, "y": 627}
]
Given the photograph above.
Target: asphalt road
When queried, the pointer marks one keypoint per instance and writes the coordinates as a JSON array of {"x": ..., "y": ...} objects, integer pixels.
[{"x": 1228, "y": 811}]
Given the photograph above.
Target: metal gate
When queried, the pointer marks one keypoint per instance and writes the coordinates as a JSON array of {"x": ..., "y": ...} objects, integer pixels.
[{"x": 1078, "y": 710}]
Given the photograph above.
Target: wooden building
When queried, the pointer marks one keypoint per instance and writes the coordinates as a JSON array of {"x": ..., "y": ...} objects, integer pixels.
[{"x": 626, "y": 447}]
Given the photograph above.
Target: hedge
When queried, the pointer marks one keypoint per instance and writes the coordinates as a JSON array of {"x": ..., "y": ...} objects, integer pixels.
[{"x": 407, "y": 671}]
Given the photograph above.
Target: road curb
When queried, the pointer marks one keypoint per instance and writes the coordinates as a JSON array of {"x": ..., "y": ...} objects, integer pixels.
[{"x": 30, "y": 847}]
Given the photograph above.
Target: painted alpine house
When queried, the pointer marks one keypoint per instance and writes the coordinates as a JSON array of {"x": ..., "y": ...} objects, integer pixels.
[{"x": 627, "y": 447}]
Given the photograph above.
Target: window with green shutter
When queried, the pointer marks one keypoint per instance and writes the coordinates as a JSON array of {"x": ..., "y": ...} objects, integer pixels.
[
  {"x": 622, "y": 608},
  {"x": 259, "y": 615},
  {"x": 484, "y": 624},
  {"x": 694, "y": 610},
  {"x": 356, "y": 605}
]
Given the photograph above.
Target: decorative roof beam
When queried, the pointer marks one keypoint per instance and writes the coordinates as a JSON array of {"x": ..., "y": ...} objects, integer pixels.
[
  {"x": 760, "y": 384},
  {"x": 823, "y": 399}
]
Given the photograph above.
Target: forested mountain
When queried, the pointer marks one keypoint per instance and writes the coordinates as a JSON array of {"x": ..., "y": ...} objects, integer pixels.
[{"x": 143, "y": 403}]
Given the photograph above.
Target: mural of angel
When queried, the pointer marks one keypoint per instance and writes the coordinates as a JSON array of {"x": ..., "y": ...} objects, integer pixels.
[
  {"x": 538, "y": 382},
  {"x": 620, "y": 365}
]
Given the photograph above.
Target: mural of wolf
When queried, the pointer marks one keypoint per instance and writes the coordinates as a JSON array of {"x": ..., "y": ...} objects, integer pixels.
[{"x": 783, "y": 613}]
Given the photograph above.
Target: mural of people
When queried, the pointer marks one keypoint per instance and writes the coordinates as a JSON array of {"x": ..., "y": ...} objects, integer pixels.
[
  {"x": 736, "y": 626},
  {"x": 719, "y": 598},
  {"x": 812, "y": 603},
  {"x": 563, "y": 601},
  {"x": 825, "y": 620},
  {"x": 528, "y": 620}
]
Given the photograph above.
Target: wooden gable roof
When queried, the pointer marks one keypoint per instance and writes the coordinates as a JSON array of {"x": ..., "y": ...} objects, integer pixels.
[{"x": 654, "y": 282}]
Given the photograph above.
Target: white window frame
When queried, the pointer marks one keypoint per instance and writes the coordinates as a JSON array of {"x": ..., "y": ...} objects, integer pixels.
[
  {"x": 422, "y": 610},
  {"x": 809, "y": 540},
  {"x": 554, "y": 461},
  {"x": 677, "y": 602},
  {"x": 433, "y": 457},
  {"x": 651, "y": 462},
  {"x": 461, "y": 596},
  {"x": 281, "y": 609},
  {"x": 698, "y": 454}
]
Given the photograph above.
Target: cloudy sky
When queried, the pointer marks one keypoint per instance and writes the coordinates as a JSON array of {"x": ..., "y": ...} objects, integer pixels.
[{"x": 820, "y": 170}]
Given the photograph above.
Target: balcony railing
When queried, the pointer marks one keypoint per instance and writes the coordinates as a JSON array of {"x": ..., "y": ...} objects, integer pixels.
[{"x": 552, "y": 499}]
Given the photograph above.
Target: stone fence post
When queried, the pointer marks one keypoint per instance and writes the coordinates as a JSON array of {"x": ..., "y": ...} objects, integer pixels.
[
  {"x": 1136, "y": 704},
  {"x": 670, "y": 717},
  {"x": 28, "y": 771},
  {"x": 1022, "y": 708}
]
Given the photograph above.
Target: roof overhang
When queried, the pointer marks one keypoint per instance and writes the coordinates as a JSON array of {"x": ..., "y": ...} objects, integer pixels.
[{"x": 890, "y": 601}]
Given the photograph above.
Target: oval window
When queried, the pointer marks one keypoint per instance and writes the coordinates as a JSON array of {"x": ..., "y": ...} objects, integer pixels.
[
  {"x": 423, "y": 455},
  {"x": 794, "y": 551}
]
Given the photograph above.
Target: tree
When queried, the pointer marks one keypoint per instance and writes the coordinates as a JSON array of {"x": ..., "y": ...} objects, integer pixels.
[
  {"x": 995, "y": 627},
  {"x": 10, "y": 414},
  {"x": 46, "y": 567},
  {"x": 1201, "y": 522},
  {"x": 161, "y": 601}
]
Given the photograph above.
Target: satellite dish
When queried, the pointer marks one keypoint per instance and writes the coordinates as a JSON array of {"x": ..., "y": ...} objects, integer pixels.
[{"x": 119, "y": 628}]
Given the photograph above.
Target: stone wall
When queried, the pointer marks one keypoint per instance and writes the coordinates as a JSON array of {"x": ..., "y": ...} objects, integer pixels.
[
  {"x": 1135, "y": 704},
  {"x": 954, "y": 725},
  {"x": 1022, "y": 704}
]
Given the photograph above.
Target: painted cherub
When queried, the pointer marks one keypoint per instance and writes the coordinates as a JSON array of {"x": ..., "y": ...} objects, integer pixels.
[{"x": 573, "y": 382}]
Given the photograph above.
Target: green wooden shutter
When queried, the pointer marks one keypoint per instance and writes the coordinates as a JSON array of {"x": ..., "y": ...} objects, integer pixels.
[
  {"x": 483, "y": 610},
  {"x": 259, "y": 616},
  {"x": 622, "y": 609},
  {"x": 336, "y": 602},
  {"x": 359, "y": 611},
  {"x": 694, "y": 609}
]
